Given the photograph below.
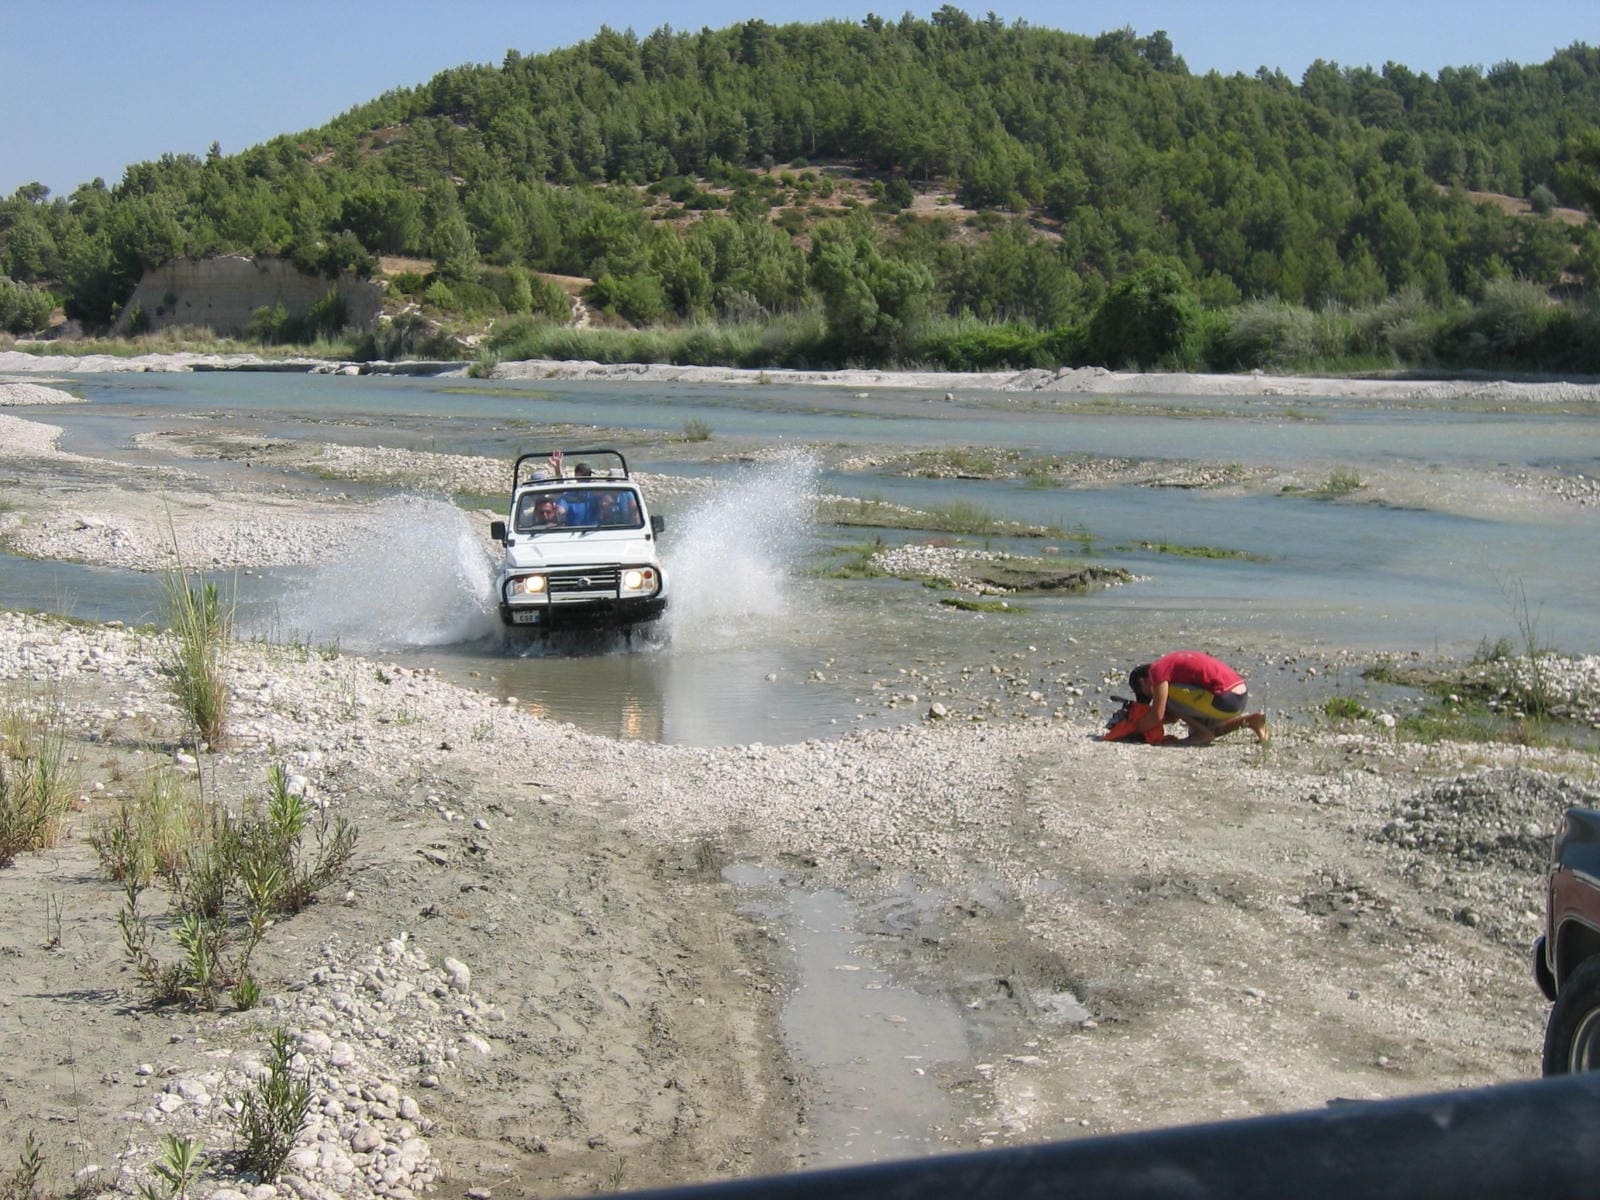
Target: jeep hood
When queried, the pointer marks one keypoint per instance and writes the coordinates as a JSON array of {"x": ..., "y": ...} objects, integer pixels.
[{"x": 578, "y": 550}]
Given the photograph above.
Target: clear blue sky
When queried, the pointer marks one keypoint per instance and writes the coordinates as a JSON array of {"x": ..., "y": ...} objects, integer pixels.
[{"x": 90, "y": 86}]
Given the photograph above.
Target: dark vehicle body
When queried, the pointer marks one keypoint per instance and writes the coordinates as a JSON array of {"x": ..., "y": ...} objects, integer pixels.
[{"x": 1566, "y": 957}]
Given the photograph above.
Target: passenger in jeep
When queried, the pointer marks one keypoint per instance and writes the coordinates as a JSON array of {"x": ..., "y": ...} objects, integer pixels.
[
  {"x": 548, "y": 513},
  {"x": 618, "y": 509},
  {"x": 582, "y": 508}
]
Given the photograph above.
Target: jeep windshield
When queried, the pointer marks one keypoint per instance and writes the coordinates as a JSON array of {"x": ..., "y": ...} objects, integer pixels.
[{"x": 565, "y": 509}]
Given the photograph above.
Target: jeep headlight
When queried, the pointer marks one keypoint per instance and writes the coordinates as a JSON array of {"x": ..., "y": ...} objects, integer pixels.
[
  {"x": 639, "y": 579},
  {"x": 530, "y": 585}
]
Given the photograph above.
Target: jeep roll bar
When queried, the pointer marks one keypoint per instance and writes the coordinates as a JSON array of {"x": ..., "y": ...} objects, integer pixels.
[{"x": 571, "y": 457}]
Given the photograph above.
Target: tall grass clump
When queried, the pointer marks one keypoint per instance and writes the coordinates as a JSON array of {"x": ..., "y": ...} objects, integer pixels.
[
  {"x": 200, "y": 618},
  {"x": 1534, "y": 687},
  {"x": 1341, "y": 481},
  {"x": 36, "y": 783},
  {"x": 150, "y": 834},
  {"x": 1267, "y": 335}
]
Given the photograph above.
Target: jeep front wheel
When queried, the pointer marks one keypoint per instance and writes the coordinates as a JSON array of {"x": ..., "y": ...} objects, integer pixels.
[{"x": 1572, "y": 1035}]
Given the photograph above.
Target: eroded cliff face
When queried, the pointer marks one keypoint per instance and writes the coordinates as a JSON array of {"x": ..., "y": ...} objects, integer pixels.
[{"x": 223, "y": 293}]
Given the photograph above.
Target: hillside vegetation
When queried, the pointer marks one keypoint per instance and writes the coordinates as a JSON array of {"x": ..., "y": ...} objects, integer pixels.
[{"x": 948, "y": 191}]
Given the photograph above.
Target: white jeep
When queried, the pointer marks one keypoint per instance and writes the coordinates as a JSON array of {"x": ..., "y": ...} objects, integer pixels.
[{"x": 580, "y": 545}]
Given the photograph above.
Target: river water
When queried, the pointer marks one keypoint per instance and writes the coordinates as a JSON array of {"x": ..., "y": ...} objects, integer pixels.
[{"x": 760, "y": 647}]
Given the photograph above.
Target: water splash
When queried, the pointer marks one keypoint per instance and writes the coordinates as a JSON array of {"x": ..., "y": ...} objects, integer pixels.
[
  {"x": 729, "y": 559},
  {"x": 423, "y": 579}
]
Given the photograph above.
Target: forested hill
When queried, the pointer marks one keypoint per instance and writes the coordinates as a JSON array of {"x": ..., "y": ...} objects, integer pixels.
[{"x": 700, "y": 175}]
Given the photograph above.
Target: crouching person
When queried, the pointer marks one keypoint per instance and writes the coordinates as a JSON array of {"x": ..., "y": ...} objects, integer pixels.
[{"x": 1205, "y": 693}]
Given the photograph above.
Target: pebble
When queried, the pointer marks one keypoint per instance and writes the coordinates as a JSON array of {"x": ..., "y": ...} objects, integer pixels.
[{"x": 460, "y": 976}]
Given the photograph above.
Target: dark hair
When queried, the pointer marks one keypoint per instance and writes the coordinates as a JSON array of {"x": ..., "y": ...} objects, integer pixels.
[{"x": 1138, "y": 678}]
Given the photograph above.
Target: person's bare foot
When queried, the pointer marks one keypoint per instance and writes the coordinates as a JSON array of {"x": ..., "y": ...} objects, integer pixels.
[{"x": 1258, "y": 723}]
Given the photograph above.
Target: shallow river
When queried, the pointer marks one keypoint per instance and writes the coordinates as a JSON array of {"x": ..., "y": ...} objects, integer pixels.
[{"x": 758, "y": 647}]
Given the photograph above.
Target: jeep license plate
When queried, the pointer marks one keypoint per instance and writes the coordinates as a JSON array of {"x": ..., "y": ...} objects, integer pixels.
[{"x": 525, "y": 618}]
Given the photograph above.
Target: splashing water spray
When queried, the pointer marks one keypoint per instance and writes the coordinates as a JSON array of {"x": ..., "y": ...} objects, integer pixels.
[
  {"x": 423, "y": 579},
  {"x": 729, "y": 559}
]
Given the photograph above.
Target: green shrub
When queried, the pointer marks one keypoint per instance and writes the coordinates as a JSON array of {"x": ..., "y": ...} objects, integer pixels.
[
  {"x": 1404, "y": 327},
  {"x": 408, "y": 283},
  {"x": 24, "y": 309},
  {"x": 273, "y": 847},
  {"x": 1345, "y": 708},
  {"x": 235, "y": 875},
  {"x": 1149, "y": 319},
  {"x": 22, "y": 1183},
  {"x": 987, "y": 348},
  {"x": 326, "y": 317},
  {"x": 639, "y": 297},
  {"x": 439, "y": 294},
  {"x": 179, "y": 1166},
  {"x": 269, "y": 1116},
  {"x": 269, "y": 324},
  {"x": 1514, "y": 323},
  {"x": 1265, "y": 335}
]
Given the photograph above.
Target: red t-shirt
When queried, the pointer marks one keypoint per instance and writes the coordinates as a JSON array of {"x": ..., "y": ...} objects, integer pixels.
[{"x": 1196, "y": 670}]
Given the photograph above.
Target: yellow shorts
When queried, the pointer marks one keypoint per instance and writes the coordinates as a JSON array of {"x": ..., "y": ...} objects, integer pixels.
[{"x": 1198, "y": 704}]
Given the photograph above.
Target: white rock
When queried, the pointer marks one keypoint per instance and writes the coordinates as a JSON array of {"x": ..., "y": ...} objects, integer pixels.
[
  {"x": 365, "y": 1139},
  {"x": 460, "y": 976}
]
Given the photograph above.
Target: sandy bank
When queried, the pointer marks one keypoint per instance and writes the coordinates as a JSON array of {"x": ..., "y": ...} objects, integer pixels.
[
  {"x": 535, "y": 979},
  {"x": 1067, "y": 380}
]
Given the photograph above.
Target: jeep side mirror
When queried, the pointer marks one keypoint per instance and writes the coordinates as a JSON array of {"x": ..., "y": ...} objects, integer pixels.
[
  {"x": 657, "y": 523},
  {"x": 497, "y": 530}
]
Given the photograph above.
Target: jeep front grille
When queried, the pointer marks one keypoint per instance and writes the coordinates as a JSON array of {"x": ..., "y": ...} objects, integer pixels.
[{"x": 583, "y": 584}]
